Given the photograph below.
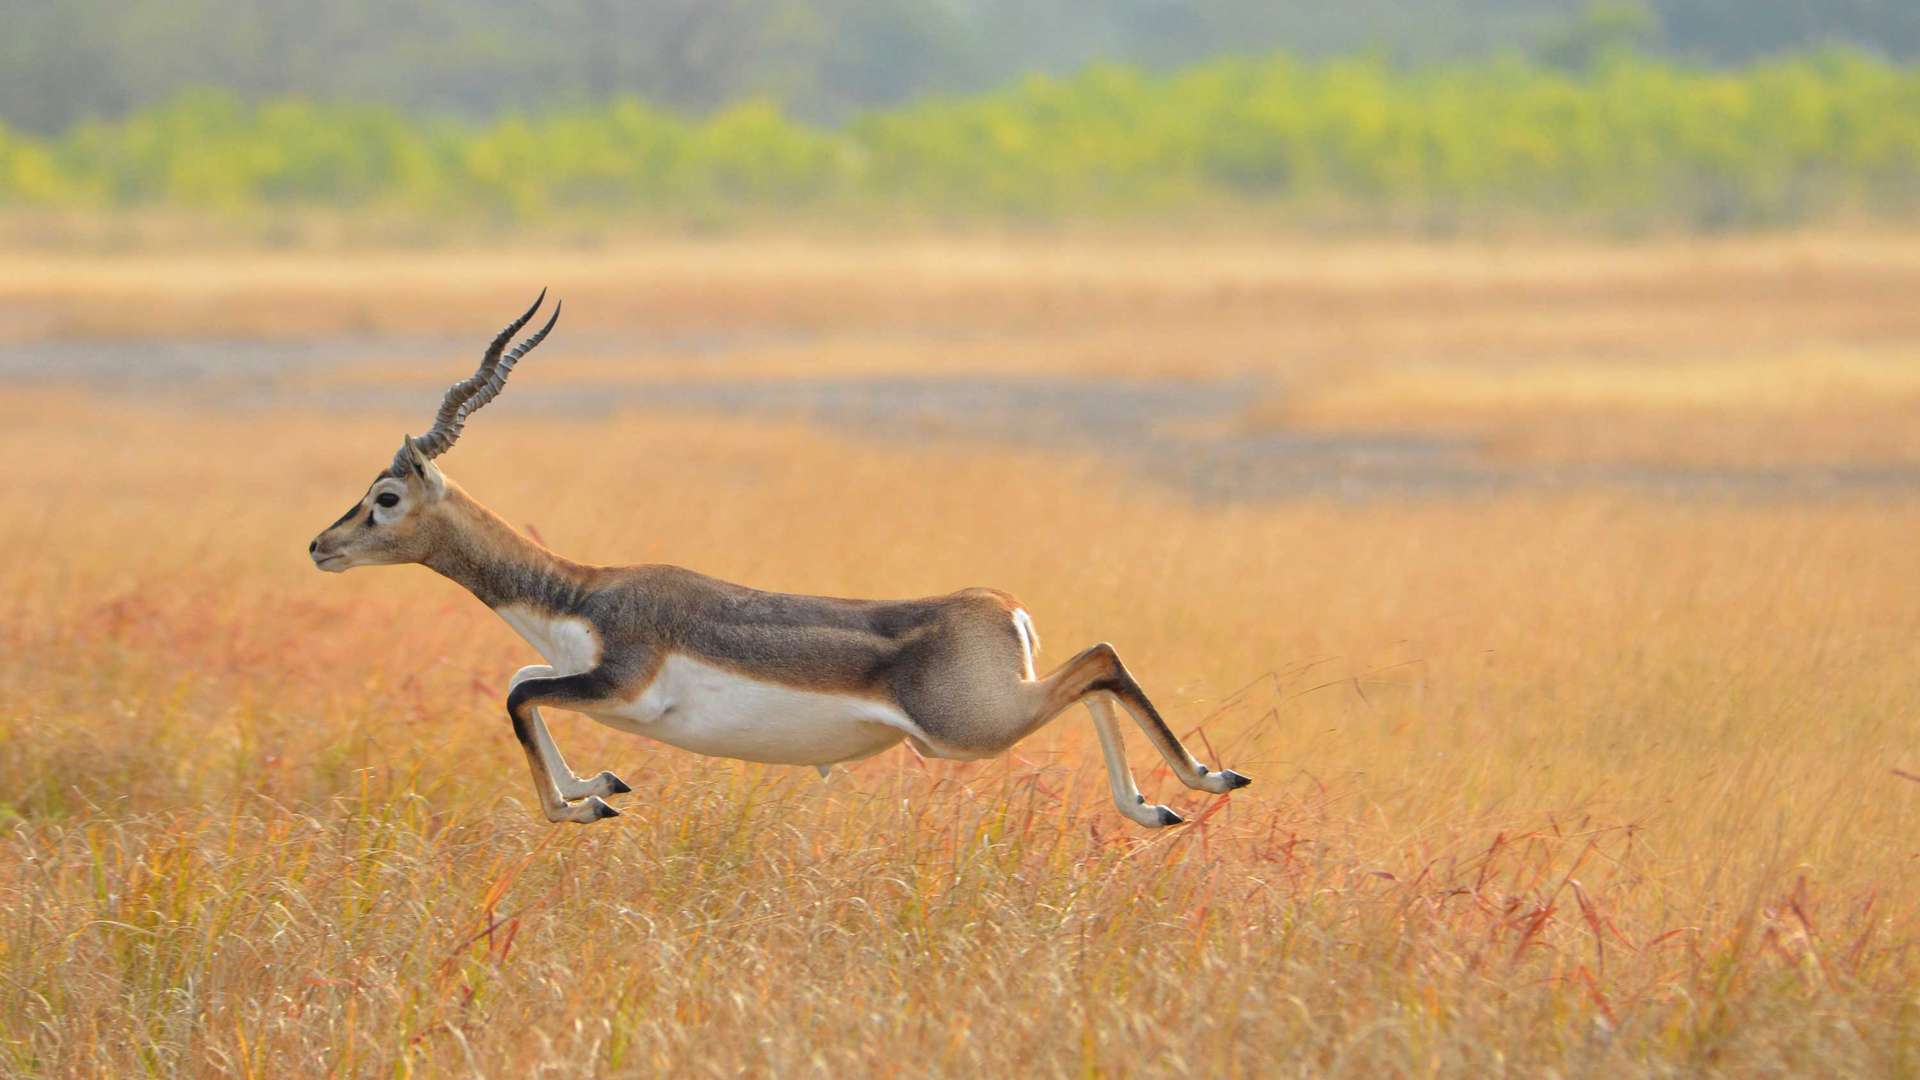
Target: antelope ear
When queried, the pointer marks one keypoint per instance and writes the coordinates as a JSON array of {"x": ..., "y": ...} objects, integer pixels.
[{"x": 409, "y": 461}]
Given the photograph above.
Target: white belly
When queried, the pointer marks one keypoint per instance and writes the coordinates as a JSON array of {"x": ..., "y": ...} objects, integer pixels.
[{"x": 709, "y": 710}]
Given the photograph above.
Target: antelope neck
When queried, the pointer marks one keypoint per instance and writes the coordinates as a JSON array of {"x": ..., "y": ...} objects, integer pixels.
[{"x": 500, "y": 566}]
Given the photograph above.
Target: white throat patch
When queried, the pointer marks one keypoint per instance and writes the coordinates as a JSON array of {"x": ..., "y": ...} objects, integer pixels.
[{"x": 567, "y": 642}]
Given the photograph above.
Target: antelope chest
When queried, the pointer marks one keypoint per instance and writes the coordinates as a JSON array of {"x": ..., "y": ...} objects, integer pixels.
[
  {"x": 568, "y": 643},
  {"x": 712, "y": 710}
]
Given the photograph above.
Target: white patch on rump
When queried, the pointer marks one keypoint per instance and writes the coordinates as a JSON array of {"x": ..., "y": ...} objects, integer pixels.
[
  {"x": 567, "y": 642},
  {"x": 709, "y": 710},
  {"x": 1029, "y": 640}
]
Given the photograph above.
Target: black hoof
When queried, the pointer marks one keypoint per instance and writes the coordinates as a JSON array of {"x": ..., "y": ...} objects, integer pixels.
[
  {"x": 617, "y": 786},
  {"x": 1235, "y": 780},
  {"x": 1168, "y": 817},
  {"x": 601, "y": 812}
]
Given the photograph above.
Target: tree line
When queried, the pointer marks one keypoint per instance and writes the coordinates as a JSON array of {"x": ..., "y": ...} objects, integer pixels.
[
  {"x": 1609, "y": 135},
  {"x": 64, "y": 61}
]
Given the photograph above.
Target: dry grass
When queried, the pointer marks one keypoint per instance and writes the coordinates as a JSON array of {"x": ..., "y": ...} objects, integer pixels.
[
  {"x": 1283, "y": 301},
  {"x": 1816, "y": 405},
  {"x": 1580, "y": 784},
  {"x": 1790, "y": 349}
]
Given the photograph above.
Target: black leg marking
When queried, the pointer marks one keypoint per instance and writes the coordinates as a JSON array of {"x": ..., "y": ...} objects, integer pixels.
[
  {"x": 521, "y": 729},
  {"x": 565, "y": 691},
  {"x": 560, "y": 691}
]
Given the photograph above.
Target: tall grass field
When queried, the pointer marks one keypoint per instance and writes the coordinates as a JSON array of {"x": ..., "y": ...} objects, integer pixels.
[{"x": 1581, "y": 697}]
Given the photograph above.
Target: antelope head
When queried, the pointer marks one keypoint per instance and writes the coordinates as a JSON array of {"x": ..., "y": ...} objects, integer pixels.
[{"x": 403, "y": 517}]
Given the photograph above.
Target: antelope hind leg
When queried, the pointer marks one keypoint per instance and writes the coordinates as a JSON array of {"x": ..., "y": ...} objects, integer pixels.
[
  {"x": 1126, "y": 794},
  {"x": 1120, "y": 682}
]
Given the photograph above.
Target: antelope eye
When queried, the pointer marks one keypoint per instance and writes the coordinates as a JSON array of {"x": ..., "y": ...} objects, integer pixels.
[{"x": 387, "y": 498}]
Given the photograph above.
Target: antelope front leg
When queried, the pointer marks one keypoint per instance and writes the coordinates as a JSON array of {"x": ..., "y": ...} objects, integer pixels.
[
  {"x": 543, "y": 757},
  {"x": 571, "y": 787}
]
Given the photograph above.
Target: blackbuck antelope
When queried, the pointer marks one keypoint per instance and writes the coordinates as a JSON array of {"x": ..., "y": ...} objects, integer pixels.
[{"x": 725, "y": 670}]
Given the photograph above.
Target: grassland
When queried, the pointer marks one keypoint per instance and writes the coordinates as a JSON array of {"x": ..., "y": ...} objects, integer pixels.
[{"x": 1562, "y": 778}]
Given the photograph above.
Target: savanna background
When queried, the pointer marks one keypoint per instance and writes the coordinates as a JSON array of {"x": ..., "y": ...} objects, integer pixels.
[{"x": 1494, "y": 425}]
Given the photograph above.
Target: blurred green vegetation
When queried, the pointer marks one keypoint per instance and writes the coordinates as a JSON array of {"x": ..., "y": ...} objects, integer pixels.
[{"x": 1604, "y": 135}]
